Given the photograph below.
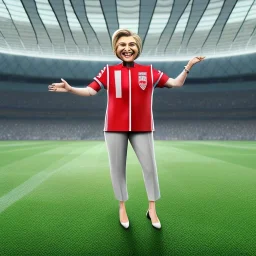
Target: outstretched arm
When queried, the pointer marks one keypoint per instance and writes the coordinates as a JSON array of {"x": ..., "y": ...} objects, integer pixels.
[
  {"x": 65, "y": 87},
  {"x": 180, "y": 79}
]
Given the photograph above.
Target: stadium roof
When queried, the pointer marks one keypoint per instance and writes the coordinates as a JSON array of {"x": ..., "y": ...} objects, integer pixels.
[{"x": 170, "y": 29}]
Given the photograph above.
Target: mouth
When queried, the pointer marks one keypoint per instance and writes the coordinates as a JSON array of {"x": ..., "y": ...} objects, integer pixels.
[{"x": 127, "y": 54}]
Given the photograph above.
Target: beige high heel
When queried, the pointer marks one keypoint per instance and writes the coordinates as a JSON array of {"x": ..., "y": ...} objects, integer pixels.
[
  {"x": 124, "y": 224},
  {"x": 156, "y": 225}
]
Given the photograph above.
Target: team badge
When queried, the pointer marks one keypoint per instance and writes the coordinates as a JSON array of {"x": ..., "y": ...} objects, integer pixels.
[{"x": 143, "y": 80}]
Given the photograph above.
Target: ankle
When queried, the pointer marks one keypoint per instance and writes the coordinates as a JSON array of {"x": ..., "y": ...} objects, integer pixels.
[
  {"x": 121, "y": 205},
  {"x": 152, "y": 205}
]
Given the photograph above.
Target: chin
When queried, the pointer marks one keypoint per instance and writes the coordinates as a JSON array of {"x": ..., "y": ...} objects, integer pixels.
[
  {"x": 128, "y": 60},
  {"x": 125, "y": 60}
]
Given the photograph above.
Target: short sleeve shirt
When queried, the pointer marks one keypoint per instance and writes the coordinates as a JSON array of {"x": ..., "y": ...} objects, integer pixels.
[{"x": 130, "y": 96}]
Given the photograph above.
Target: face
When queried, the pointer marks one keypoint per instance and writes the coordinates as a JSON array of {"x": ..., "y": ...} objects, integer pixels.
[{"x": 126, "y": 49}]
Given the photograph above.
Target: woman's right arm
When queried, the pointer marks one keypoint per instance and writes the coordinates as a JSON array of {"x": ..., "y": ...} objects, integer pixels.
[{"x": 65, "y": 87}]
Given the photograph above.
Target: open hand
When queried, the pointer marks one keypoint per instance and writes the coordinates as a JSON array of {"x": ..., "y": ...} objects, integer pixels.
[
  {"x": 195, "y": 60},
  {"x": 60, "y": 87}
]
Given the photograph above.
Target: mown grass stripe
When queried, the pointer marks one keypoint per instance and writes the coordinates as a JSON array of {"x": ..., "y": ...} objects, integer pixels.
[
  {"x": 28, "y": 186},
  {"x": 53, "y": 148},
  {"x": 23, "y": 149},
  {"x": 227, "y": 145},
  {"x": 216, "y": 159},
  {"x": 4, "y": 144},
  {"x": 7, "y": 167}
]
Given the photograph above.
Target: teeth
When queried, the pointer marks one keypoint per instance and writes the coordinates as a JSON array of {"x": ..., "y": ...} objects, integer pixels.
[{"x": 127, "y": 54}]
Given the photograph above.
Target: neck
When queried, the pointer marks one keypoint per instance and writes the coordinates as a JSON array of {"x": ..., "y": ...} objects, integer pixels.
[{"x": 128, "y": 64}]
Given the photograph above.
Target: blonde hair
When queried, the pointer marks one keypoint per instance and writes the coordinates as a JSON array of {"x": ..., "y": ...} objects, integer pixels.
[{"x": 125, "y": 32}]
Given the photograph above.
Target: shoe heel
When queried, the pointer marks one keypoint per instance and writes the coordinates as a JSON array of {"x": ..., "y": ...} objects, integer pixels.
[
  {"x": 155, "y": 225},
  {"x": 147, "y": 214}
]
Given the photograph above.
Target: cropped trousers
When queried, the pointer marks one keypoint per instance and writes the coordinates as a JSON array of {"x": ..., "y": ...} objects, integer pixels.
[{"x": 143, "y": 145}]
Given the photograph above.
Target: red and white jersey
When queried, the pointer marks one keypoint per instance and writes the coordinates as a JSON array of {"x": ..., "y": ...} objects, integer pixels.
[{"x": 130, "y": 96}]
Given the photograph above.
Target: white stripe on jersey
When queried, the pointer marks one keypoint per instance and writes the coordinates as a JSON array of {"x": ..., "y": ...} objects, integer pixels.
[
  {"x": 106, "y": 115},
  {"x": 99, "y": 82},
  {"x": 118, "y": 84},
  {"x": 130, "y": 102},
  {"x": 158, "y": 79},
  {"x": 152, "y": 118}
]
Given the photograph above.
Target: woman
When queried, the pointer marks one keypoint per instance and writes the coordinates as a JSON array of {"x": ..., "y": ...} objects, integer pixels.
[{"x": 129, "y": 115}]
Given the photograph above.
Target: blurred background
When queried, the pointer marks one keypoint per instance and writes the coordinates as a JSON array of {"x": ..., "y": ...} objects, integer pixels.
[{"x": 42, "y": 41}]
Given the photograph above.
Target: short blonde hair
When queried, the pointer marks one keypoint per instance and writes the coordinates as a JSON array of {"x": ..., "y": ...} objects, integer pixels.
[{"x": 125, "y": 32}]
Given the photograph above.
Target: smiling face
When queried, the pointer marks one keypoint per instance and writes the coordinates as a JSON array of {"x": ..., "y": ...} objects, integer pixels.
[{"x": 127, "y": 49}]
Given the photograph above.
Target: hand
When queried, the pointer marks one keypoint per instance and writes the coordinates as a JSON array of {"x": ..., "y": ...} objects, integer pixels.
[
  {"x": 60, "y": 87},
  {"x": 195, "y": 60}
]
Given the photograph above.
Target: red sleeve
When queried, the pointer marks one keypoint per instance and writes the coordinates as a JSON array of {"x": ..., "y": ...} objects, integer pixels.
[
  {"x": 159, "y": 78},
  {"x": 101, "y": 79},
  {"x": 94, "y": 86}
]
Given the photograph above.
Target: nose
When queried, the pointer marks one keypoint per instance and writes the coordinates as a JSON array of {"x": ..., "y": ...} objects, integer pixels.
[{"x": 127, "y": 47}]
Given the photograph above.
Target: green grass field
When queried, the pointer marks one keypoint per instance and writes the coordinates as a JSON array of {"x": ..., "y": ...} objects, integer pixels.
[{"x": 56, "y": 198}]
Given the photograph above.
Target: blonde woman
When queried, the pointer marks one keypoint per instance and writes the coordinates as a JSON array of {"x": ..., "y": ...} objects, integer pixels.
[{"x": 130, "y": 88}]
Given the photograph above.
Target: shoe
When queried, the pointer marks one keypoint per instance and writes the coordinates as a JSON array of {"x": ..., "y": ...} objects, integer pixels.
[
  {"x": 125, "y": 224},
  {"x": 156, "y": 225}
]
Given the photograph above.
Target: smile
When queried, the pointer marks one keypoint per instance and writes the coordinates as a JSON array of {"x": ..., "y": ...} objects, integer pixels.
[{"x": 127, "y": 54}]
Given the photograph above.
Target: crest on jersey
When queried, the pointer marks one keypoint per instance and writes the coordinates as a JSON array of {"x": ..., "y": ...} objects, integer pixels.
[{"x": 143, "y": 80}]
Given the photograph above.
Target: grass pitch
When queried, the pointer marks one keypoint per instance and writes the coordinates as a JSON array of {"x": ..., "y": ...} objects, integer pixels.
[{"x": 56, "y": 198}]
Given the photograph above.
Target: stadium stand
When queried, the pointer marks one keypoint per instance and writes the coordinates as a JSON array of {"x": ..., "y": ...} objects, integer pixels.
[{"x": 217, "y": 102}]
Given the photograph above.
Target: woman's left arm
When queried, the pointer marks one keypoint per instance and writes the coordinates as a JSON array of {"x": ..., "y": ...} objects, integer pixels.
[{"x": 180, "y": 79}]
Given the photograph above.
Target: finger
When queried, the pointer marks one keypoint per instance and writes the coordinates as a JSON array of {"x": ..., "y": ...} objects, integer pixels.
[
  {"x": 200, "y": 58},
  {"x": 52, "y": 89},
  {"x": 63, "y": 80},
  {"x": 59, "y": 85}
]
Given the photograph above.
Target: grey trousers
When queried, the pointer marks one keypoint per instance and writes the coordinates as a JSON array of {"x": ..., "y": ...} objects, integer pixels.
[{"x": 143, "y": 145}]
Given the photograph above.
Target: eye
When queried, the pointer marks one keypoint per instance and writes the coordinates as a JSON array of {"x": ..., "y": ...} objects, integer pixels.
[
  {"x": 132, "y": 44},
  {"x": 122, "y": 44}
]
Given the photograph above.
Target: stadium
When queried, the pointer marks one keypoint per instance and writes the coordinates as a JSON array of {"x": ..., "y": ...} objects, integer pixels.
[{"x": 56, "y": 193}]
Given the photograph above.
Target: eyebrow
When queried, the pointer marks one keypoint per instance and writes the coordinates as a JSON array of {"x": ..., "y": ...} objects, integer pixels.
[{"x": 125, "y": 42}]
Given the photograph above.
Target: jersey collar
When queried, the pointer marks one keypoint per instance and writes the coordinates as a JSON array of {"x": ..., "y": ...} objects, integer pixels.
[{"x": 123, "y": 66}]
